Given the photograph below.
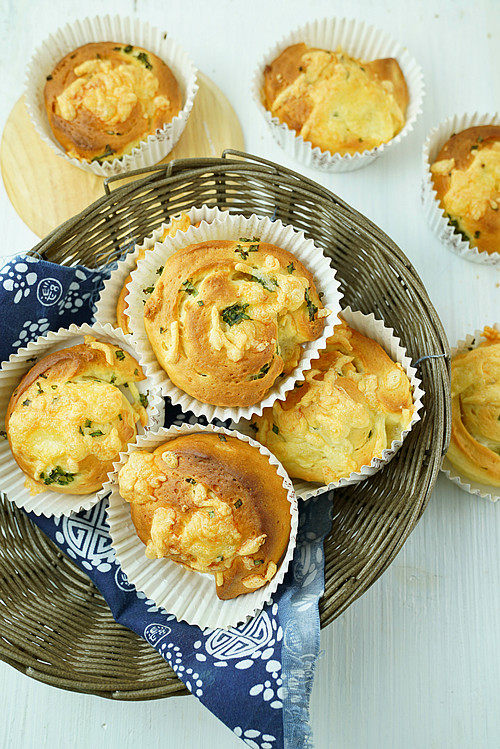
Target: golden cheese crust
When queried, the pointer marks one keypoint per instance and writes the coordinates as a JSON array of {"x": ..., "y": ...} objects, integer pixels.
[
  {"x": 475, "y": 405},
  {"x": 68, "y": 419},
  {"x": 334, "y": 101},
  {"x": 226, "y": 318},
  {"x": 353, "y": 403},
  {"x": 466, "y": 177},
  {"x": 104, "y": 98},
  {"x": 213, "y": 504},
  {"x": 177, "y": 223}
]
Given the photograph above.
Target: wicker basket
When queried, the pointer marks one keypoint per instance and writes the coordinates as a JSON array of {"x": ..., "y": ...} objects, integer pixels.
[{"x": 54, "y": 624}]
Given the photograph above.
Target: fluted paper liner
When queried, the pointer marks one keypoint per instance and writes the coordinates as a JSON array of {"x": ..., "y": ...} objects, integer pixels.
[
  {"x": 225, "y": 226},
  {"x": 50, "y": 503},
  {"x": 122, "y": 30},
  {"x": 486, "y": 491},
  {"x": 105, "y": 309},
  {"x": 358, "y": 40},
  {"x": 375, "y": 329},
  {"x": 438, "y": 221},
  {"x": 189, "y": 595}
]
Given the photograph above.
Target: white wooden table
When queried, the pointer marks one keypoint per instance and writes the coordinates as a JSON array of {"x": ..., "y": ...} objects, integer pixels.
[{"x": 415, "y": 663}]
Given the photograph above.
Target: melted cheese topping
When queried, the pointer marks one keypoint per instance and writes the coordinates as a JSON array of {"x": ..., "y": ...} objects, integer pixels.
[
  {"x": 347, "y": 103},
  {"x": 337, "y": 423},
  {"x": 474, "y": 189},
  {"x": 62, "y": 425},
  {"x": 110, "y": 93},
  {"x": 198, "y": 530}
]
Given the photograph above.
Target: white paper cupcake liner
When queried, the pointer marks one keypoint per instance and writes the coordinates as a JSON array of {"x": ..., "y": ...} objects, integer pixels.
[
  {"x": 486, "y": 491},
  {"x": 435, "y": 215},
  {"x": 12, "y": 479},
  {"x": 224, "y": 226},
  {"x": 189, "y": 595},
  {"x": 121, "y": 30},
  {"x": 375, "y": 329},
  {"x": 358, "y": 40},
  {"x": 105, "y": 309}
]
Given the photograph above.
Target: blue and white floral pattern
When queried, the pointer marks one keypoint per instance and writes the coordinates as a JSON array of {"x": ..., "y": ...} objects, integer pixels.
[{"x": 256, "y": 677}]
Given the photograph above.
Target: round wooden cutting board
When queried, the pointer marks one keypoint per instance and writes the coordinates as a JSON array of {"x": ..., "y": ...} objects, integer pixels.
[{"x": 46, "y": 190}]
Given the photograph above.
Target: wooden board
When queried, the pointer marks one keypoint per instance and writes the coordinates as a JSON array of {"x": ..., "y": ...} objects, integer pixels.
[{"x": 46, "y": 190}]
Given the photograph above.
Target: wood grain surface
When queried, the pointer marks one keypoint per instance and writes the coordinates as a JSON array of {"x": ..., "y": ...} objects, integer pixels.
[
  {"x": 46, "y": 190},
  {"x": 413, "y": 664}
]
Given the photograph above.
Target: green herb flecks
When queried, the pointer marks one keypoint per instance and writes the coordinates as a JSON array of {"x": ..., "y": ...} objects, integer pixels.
[
  {"x": 311, "y": 307},
  {"x": 211, "y": 514},
  {"x": 108, "y": 151},
  {"x": 268, "y": 282},
  {"x": 162, "y": 330},
  {"x": 87, "y": 423},
  {"x": 97, "y": 433},
  {"x": 453, "y": 222},
  {"x": 120, "y": 355},
  {"x": 290, "y": 268},
  {"x": 477, "y": 234},
  {"x": 159, "y": 270},
  {"x": 191, "y": 481},
  {"x": 222, "y": 437},
  {"x": 144, "y": 400},
  {"x": 112, "y": 379},
  {"x": 3, "y": 435},
  {"x": 128, "y": 49},
  {"x": 149, "y": 289},
  {"x": 189, "y": 288},
  {"x": 247, "y": 245},
  {"x": 276, "y": 429},
  {"x": 235, "y": 314},
  {"x": 238, "y": 503},
  {"x": 257, "y": 562},
  {"x": 254, "y": 426},
  {"x": 26, "y": 402},
  {"x": 40, "y": 389},
  {"x": 262, "y": 372},
  {"x": 120, "y": 417},
  {"x": 142, "y": 57},
  {"x": 220, "y": 559},
  {"x": 201, "y": 303},
  {"x": 58, "y": 476},
  {"x": 48, "y": 78}
]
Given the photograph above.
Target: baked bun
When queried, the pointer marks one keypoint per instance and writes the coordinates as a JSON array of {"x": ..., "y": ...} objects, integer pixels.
[
  {"x": 104, "y": 98},
  {"x": 334, "y": 101},
  {"x": 226, "y": 318},
  {"x": 178, "y": 223},
  {"x": 353, "y": 403},
  {"x": 466, "y": 177},
  {"x": 475, "y": 406},
  {"x": 68, "y": 419},
  {"x": 211, "y": 503}
]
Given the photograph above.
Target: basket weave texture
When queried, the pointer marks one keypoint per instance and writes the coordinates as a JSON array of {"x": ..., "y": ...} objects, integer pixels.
[{"x": 54, "y": 624}]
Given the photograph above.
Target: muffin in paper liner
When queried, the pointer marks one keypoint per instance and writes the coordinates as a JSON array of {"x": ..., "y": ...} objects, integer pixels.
[
  {"x": 225, "y": 226},
  {"x": 105, "y": 308},
  {"x": 122, "y": 30},
  {"x": 375, "y": 329},
  {"x": 189, "y": 595},
  {"x": 358, "y": 40},
  {"x": 436, "y": 217},
  {"x": 486, "y": 491},
  {"x": 12, "y": 479}
]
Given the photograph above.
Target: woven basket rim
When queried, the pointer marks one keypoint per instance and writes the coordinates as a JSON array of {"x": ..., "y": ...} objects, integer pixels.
[{"x": 250, "y": 173}]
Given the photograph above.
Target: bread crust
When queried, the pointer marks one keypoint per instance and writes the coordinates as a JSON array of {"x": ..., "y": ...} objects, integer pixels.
[
  {"x": 47, "y": 419},
  {"x": 475, "y": 406},
  {"x": 87, "y": 136},
  {"x": 216, "y": 329},
  {"x": 352, "y": 404},
  {"x": 304, "y": 87},
  {"x": 241, "y": 494},
  {"x": 458, "y": 155}
]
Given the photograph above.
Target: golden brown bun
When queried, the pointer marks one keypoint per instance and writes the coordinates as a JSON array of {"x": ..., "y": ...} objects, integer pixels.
[
  {"x": 67, "y": 420},
  {"x": 353, "y": 403},
  {"x": 112, "y": 102},
  {"x": 227, "y": 318},
  {"x": 475, "y": 404},
  {"x": 336, "y": 102},
  {"x": 466, "y": 177},
  {"x": 178, "y": 223},
  {"x": 212, "y": 503}
]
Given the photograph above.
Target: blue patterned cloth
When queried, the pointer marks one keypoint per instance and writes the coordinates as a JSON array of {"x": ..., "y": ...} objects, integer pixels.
[{"x": 256, "y": 677}]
